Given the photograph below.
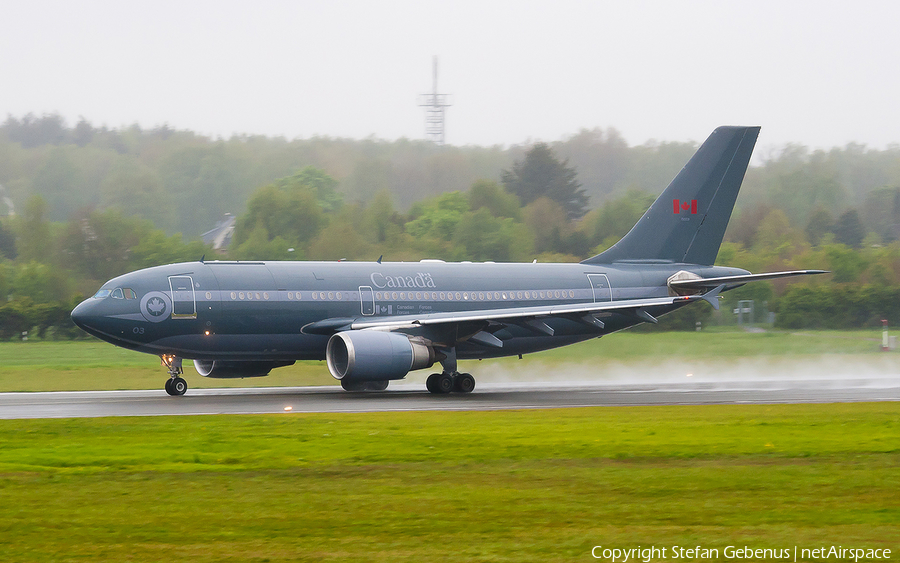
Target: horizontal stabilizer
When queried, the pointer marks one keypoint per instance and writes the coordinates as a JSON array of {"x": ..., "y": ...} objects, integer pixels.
[
  {"x": 730, "y": 281},
  {"x": 712, "y": 297}
]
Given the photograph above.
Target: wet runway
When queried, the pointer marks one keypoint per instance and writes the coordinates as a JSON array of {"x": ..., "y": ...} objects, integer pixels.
[{"x": 409, "y": 397}]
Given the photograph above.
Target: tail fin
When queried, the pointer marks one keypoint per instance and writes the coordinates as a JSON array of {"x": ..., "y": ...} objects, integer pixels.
[{"x": 687, "y": 222}]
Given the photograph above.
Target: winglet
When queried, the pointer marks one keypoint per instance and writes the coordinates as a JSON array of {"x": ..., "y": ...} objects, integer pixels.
[{"x": 712, "y": 297}]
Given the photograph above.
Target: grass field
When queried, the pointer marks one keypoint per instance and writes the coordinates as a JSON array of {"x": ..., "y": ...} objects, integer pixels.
[
  {"x": 471, "y": 486},
  {"x": 91, "y": 364}
]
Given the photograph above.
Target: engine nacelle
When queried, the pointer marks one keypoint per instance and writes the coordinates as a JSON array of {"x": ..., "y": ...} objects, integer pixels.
[
  {"x": 227, "y": 369},
  {"x": 371, "y": 355}
]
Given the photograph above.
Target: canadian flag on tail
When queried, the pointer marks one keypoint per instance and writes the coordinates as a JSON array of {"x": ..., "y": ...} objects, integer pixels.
[{"x": 678, "y": 206}]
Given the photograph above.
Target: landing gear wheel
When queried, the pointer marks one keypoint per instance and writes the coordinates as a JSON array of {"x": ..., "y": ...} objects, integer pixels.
[
  {"x": 176, "y": 386},
  {"x": 444, "y": 383},
  {"x": 464, "y": 383},
  {"x": 379, "y": 385},
  {"x": 431, "y": 383}
]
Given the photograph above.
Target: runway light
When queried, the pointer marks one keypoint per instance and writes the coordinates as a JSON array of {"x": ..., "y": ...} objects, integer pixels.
[{"x": 288, "y": 408}]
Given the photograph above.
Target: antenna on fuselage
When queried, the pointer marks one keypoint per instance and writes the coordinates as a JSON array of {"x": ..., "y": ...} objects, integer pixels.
[
  {"x": 202, "y": 258},
  {"x": 379, "y": 259}
]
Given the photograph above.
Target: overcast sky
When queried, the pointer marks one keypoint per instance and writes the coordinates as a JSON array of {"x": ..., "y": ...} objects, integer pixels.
[{"x": 818, "y": 73}]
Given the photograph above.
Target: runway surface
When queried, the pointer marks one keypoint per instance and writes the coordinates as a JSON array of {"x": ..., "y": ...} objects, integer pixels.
[{"x": 414, "y": 398}]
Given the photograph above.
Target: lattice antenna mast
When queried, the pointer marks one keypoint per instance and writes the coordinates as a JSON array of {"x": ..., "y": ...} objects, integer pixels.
[{"x": 434, "y": 105}]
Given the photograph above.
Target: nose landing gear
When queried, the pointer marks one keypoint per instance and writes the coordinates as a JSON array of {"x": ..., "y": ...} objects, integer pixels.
[{"x": 175, "y": 385}]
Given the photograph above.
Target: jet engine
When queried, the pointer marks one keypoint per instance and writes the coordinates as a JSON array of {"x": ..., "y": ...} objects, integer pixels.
[
  {"x": 226, "y": 369},
  {"x": 370, "y": 355}
]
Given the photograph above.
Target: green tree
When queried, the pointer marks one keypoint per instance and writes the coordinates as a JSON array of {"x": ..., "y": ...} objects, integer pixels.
[
  {"x": 98, "y": 244},
  {"x": 60, "y": 181},
  {"x": 482, "y": 236},
  {"x": 322, "y": 186},
  {"x": 291, "y": 208},
  {"x": 136, "y": 190},
  {"x": 437, "y": 218},
  {"x": 547, "y": 220},
  {"x": 775, "y": 232},
  {"x": 34, "y": 239},
  {"x": 820, "y": 224},
  {"x": 258, "y": 246},
  {"x": 491, "y": 196},
  {"x": 7, "y": 241},
  {"x": 744, "y": 224},
  {"x": 846, "y": 264},
  {"x": 39, "y": 282},
  {"x": 616, "y": 217},
  {"x": 541, "y": 174},
  {"x": 338, "y": 241},
  {"x": 881, "y": 212},
  {"x": 849, "y": 230},
  {"x": 380, "y": 221}
]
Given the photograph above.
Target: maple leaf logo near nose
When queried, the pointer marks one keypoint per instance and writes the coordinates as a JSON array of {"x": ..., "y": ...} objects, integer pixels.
[
  {"x": 156, "y": 306},
  {"x": 678, "y": 206}
]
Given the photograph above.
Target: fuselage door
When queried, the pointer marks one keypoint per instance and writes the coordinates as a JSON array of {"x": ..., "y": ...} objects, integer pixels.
[
  {"x": 600, "y": 287},
  {"x": 366, "y": 300},
  {"x": 183, "y": 304}
]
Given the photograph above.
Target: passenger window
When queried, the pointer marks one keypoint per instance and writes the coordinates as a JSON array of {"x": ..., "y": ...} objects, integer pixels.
[{"x": 118, "y": 294}]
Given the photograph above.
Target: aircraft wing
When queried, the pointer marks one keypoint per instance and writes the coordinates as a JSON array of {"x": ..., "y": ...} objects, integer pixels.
[
  {"x": 585, "y": 311},
  {"x": 731, "y": 281},
  {"x": 636, "y": 307}
]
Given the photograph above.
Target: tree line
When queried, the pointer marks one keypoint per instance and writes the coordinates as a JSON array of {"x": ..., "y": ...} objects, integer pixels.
[{"x": 185, "y": 182}]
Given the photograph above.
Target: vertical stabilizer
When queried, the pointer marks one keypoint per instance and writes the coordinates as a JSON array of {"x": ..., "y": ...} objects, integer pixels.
[{"x": 687, "y": 222}]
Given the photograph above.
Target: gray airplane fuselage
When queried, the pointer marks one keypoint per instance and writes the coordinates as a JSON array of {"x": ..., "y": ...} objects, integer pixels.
[{"x": 263, "y": 311}]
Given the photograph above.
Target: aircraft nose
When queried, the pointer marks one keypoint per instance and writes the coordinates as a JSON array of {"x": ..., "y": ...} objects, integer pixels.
[{"x": 81, "y": 314}]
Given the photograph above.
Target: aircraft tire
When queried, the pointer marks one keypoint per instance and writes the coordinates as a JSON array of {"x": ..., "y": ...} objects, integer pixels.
[
  {"x": 178, "y": 386},
  {"x": 379, "y": 385},
  {"x": 443, "y": 383},
  {"x": 464, "y": 383},
  {"x": 431, "y": 383},
  {"x": 169, "y": 386}
]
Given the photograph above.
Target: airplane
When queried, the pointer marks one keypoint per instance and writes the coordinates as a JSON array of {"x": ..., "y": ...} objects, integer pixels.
[{"x": 374, "y": 322}]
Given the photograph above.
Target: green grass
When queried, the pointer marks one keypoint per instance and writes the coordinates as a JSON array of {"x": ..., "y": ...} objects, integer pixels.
[
  {"x": 470, "y": 486},
  {"x": 93, "y": 365}
]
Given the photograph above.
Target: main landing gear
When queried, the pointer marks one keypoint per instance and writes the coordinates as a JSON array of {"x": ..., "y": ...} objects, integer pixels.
[
  {"x": 450, "y": 380},
  {"x": 441, "y": 383},
  {"x": 175, "y": 385}
]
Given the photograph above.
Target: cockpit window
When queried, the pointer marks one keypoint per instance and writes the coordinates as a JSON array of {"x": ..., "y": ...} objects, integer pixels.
[
  {"x": 118, "y": 294},
  {"x": 129, "y": 293},
  {"x": 102, "y": 294}
]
